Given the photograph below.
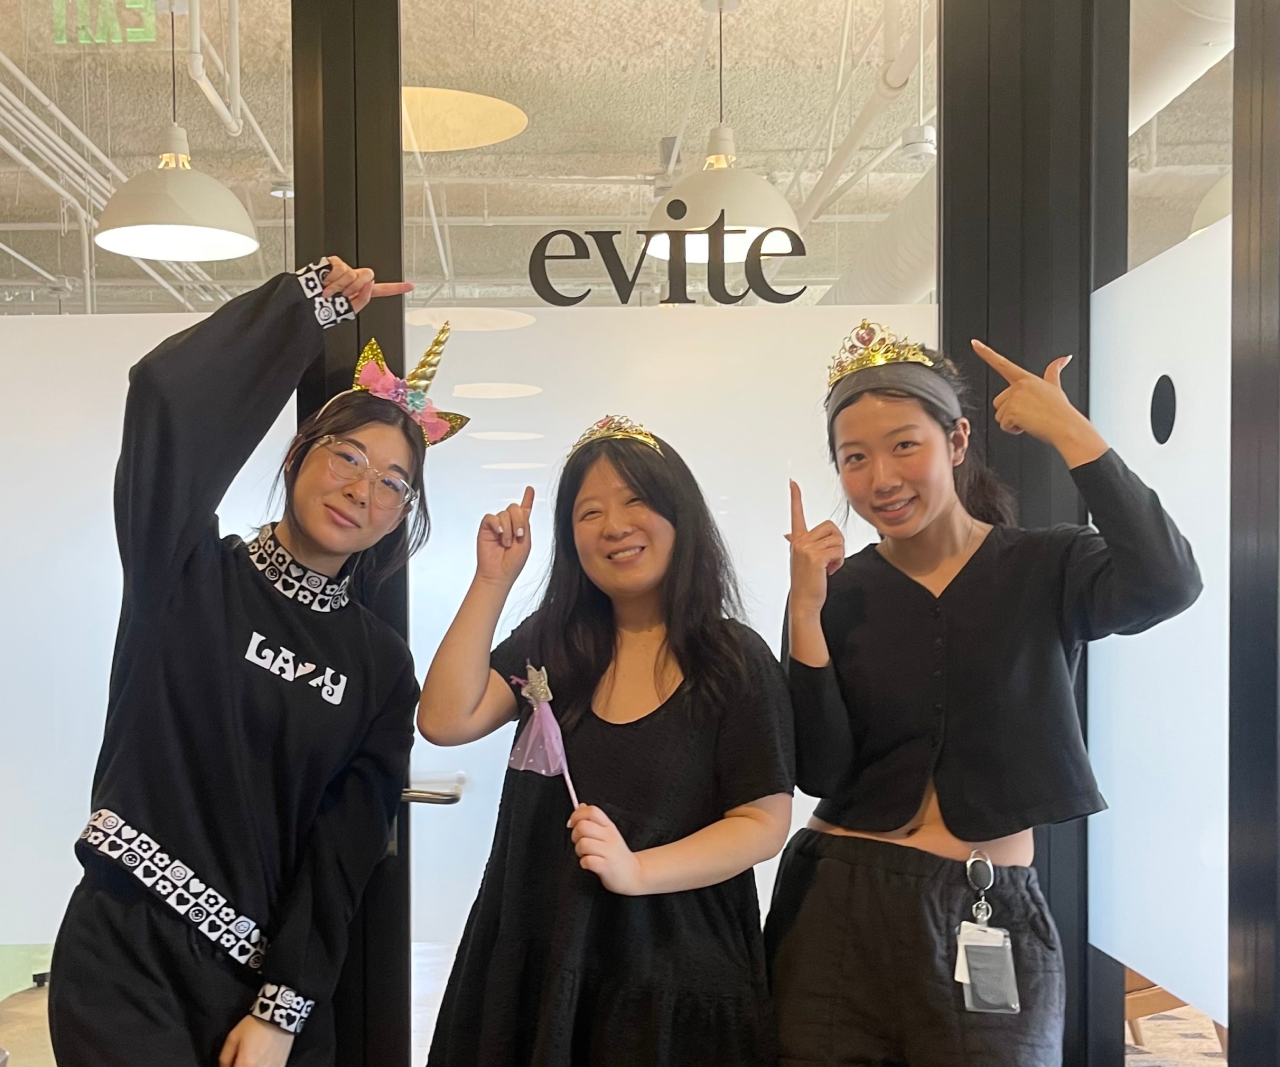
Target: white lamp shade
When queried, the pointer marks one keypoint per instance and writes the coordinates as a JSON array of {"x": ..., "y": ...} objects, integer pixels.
[
  {"x": 749, "y": 202},
  {"x": 176, "y": 214}
]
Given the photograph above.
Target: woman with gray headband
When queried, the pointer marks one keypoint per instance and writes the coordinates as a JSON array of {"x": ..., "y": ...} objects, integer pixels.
[{"x": 932, "y": 675}]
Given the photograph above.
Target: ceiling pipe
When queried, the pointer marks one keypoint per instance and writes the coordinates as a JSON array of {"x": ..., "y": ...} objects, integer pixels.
[
  {"x": 54, "y": 110},
  {"x": 82, "y": 216},
  {"x": 868, "y": 167},
  {"x": 35, "y": 129},
  {"x": 889, "y": 87},
  {"x": 838, "y": 91},
  {"x": 15, "y": 254},
  {"x": 195, "y": 65},
  {"x": 837, "y": 98},
  {"x": 892, "y": 31},
  {"x": 1172, "y": 43},
  {"x": 695, "y": 80},
  {"x": 244, "y": 104}
]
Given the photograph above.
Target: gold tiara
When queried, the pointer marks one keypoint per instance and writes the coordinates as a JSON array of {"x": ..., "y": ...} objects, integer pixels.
[
  {"x": 618, "y": 427},
  {"x": 871, "y": 345}
]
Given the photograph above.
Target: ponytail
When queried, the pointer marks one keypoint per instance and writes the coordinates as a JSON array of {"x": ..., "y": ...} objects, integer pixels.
[{"x": 982, "y": 494}]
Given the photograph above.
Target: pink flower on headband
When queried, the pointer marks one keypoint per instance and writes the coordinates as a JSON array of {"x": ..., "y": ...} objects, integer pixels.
[{"x": 383, "y": 383}]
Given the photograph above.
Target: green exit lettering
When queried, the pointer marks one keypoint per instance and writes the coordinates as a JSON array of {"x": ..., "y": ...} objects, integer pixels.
[{"x": 106, "y": 29}]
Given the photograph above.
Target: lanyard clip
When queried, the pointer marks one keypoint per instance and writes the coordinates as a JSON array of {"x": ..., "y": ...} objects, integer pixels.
[{"x": 981, "y": 873}]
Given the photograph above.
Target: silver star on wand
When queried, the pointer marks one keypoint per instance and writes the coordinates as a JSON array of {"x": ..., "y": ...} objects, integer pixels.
[{"x": 536, "y": 690}]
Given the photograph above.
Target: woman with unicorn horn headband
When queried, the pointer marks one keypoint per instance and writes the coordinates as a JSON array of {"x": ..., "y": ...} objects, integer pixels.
[
  {"x": 622, "y": 930},
  {"x": 932, "y": 675},
  {"x": 259, "y": 717}
]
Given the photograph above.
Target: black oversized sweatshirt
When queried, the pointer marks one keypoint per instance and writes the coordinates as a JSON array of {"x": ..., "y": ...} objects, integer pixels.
[{"x": 259, "y": 721}]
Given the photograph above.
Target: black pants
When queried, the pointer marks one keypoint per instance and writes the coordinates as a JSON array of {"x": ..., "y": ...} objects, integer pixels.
[
  {"x": 132, "y": 986},
  {"x": 862, "y": 952}
]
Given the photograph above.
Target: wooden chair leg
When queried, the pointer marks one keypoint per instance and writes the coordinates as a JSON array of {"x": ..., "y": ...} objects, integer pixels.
[{"x": 1135, "y": 1028}]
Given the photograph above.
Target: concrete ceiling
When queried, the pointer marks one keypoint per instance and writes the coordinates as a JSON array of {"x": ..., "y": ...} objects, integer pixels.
[{"x": 602, "y": 84}]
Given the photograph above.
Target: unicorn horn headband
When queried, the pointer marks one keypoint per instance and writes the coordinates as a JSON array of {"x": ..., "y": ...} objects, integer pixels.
[{"x": 410, "y": 394}]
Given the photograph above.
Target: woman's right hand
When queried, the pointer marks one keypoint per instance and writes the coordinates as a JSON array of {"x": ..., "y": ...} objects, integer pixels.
[
  {"x": 502, "y": 546},
  {"x": 815, "y": 555}
]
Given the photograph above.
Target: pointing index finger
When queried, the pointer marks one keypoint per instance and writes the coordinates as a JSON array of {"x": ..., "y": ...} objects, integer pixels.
[
  {"x": 798, "y": 525},
  {"x": 1006, "y": 368}
]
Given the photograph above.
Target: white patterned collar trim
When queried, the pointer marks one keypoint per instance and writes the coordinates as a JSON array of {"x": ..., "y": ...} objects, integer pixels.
[{"x": 291, "y": 579}]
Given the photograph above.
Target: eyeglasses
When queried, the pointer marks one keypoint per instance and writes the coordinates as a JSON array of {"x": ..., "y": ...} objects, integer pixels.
[{"x": 348, "y": 463}]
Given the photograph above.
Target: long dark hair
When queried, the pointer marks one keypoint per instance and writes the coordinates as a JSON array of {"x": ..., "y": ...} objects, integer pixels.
[
  {"x": 982, "y": 494},
  {"x": 342, "y": 416},
  {"x": 576, "y": 633}
]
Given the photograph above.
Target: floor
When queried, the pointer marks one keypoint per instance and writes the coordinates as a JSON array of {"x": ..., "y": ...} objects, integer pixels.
[
  {"x": 1183, "y": 1038},
  {"x": 23, "y": 1030}
]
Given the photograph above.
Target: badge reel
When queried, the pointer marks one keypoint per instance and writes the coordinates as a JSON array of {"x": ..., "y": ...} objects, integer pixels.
[{"x": 984, "y": 955}]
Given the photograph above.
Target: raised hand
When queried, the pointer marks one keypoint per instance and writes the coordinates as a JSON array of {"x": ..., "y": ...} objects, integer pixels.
[
  {"x": 1040, "y": 407},
  {"x": 602, "y": 851},
  {"x": 357, "y": 284},
  {"x": 815, "y": 555},
  {"x": 502, "y": 545}
]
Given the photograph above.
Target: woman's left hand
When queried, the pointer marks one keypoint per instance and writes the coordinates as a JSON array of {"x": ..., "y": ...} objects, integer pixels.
[
  {"x": 255, "y": 1043},
  {"x": 1040, "y": 407},
  {"x": 603, "y": 852}
]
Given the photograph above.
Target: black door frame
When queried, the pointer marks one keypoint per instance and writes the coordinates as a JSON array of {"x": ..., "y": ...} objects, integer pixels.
[
  {"x": 1015, "y": 269},
  {"x": 1254, "y": 877},
  {"x": 349, "y": 202}
]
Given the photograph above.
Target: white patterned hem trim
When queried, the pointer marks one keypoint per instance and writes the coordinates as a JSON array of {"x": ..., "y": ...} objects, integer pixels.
[
  {"x": 178, "y": 886},
  {"x": 283, "y": 1007},
  {"x": 330, "y": 310}
]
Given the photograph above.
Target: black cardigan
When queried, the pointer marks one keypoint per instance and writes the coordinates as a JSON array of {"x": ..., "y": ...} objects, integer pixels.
[{"x": 974, "y": 689}]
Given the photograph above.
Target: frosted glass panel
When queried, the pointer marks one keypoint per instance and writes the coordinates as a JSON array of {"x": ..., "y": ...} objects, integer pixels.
[
  {"x": 737, "y": 392},
  {"x": 61, "y": 575},
  {"x": 1158, "y": 701}
]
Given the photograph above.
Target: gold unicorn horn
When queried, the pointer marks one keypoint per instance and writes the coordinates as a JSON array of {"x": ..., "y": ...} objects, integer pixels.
[{"x": 424, "y": 373}]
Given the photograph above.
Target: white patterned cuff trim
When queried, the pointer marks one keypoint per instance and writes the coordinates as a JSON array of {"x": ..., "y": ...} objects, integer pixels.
[
  {"x": 282, "y": 1007},
  {"x": 330, "y": 310},
  {"x": 178, "y": 886}
]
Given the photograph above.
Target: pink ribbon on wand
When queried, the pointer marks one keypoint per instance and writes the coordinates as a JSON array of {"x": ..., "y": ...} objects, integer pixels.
[{"x": 540, "y": 746}]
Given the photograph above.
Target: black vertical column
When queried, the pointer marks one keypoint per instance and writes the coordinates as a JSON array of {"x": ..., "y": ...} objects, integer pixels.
[
  {"x": 1015, "y": 128},
  {"x": 348, "y": 202},
  {"x": 1109, "y": 254},
  {"x": 1254, "y": 894}
]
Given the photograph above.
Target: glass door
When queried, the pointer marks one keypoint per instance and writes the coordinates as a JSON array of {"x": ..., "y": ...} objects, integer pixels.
[{"x": 539, "y": 146}]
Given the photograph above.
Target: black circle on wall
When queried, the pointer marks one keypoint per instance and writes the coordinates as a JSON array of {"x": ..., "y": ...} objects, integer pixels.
[
  {"x": 1164, "y": 408},
  {"x": 677, "y": 209}
]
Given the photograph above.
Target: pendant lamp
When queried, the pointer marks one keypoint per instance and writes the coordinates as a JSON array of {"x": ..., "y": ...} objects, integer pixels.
[
  {"x": 174, "y": 212},
  {"x": 749, "y": 202}
]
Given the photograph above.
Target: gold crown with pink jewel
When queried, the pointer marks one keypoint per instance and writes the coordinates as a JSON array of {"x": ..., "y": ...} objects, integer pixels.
[{"x": 871, "y": 345}]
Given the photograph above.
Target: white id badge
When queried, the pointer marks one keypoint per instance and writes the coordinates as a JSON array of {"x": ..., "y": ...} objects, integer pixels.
[{"x": 984, "y": 954}]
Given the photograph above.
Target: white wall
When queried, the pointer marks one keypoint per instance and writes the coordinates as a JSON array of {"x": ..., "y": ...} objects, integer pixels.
[
  {"x": 1158, "y": 701},
  {"x": 738, "y": 392},
  {"x": 61, "y": 576}
]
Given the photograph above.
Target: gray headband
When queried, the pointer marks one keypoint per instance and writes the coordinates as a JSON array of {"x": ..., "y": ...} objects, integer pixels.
[{"x": 914, "y": 379}]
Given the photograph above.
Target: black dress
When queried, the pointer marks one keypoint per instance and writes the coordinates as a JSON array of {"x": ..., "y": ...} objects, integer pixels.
[
  {"x": 257, "y": 734},
  {"x": 553, "y": 968}
]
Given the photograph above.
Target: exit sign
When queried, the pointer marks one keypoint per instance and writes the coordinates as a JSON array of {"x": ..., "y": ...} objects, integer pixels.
[{"x": 100, "y": 21}]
